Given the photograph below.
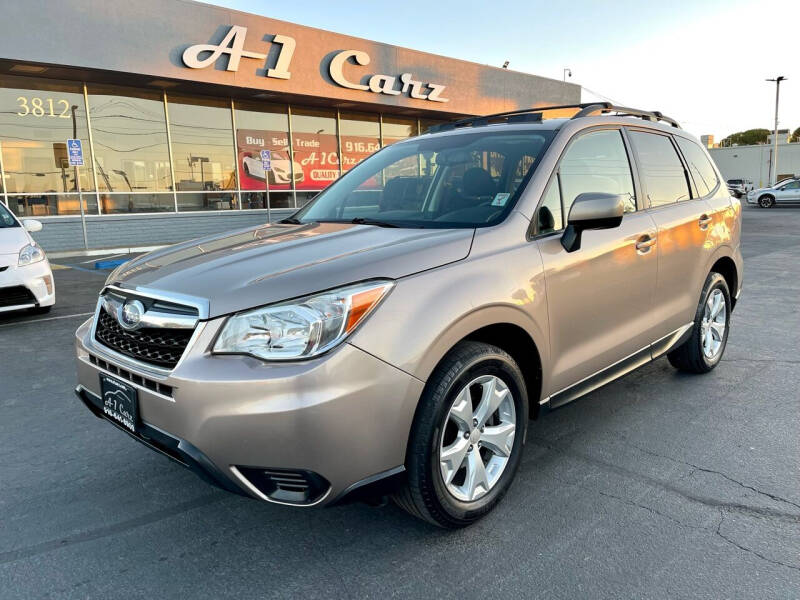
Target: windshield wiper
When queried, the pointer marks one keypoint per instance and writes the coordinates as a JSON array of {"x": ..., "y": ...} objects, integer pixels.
[{"x": 365, "y": 221}]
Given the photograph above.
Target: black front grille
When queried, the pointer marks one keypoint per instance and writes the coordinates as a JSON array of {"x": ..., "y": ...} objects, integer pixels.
[
  {"x": 156, "y": 346},
  {"x": 15, "y": 296}
]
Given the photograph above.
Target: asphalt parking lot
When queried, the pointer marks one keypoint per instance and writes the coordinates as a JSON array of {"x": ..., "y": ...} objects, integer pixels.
[{"x": 658, "y": 485}]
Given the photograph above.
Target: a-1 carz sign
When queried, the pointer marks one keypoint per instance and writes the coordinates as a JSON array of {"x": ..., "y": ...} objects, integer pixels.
[{"x": 201, "y": 56}]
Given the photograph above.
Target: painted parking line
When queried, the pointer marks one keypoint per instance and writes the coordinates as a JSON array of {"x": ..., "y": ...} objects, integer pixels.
[
  {"x": 47, "y": 319},
  {"x": 77, "y": 268}
]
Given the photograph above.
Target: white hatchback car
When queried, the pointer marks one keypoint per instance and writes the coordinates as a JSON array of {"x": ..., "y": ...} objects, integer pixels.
[{"x": 26, "y": 281}]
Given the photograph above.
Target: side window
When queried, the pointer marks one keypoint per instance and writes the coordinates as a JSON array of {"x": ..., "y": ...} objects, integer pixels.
[
  {"x": 548, "y": 218},
  {"x": 703, "y": 173},
  {"x": 660, "y": 169},
  {"x": 795, "y": 185},
  {"x": 597, "y": 162}
]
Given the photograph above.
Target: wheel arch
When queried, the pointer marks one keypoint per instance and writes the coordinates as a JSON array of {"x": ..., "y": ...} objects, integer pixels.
[
  {"x": 726, "y": 266},
  {"x": 510, "y": 330}
]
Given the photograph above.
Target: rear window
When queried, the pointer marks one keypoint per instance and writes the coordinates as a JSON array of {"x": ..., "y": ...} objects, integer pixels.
[
  {"x": 660, "y": 168},
  {"x": 731, "y": 181},
  {"x": 700, "y": 167}
]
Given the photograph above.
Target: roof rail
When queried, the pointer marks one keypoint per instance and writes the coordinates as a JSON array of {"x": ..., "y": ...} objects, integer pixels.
[
  {"x": 604, "y": 107},
  {"x": 535, "y": 114}
]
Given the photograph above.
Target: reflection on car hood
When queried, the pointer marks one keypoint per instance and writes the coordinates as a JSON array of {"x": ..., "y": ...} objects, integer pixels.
[
  {"x": 261, "y": 265},
  {"x": 12, "y": 239}
]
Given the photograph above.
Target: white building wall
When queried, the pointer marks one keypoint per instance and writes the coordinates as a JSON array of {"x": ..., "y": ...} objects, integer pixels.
[{"x": 752, "y": 162}]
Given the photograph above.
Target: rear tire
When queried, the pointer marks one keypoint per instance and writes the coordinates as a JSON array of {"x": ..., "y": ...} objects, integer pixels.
[
  {"x": 766, "y": 202},
  {"x": 479, "y": 447},
  {"x": 706, "y": 345}
]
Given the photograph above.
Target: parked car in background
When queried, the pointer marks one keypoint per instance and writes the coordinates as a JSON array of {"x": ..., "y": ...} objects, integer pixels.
[
  {"x": 26, "y": 281},
  {"x": 783, "y": 192},
  {"x": 396, "y": 334},
  {"x": 740, "y": 187}
]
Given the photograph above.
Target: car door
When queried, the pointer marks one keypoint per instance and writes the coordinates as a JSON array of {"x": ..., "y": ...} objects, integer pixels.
[
  {"x": 684, "y": 223},
  {"x": 597, "y": 295},
  {"x": 789, "y": 193}
]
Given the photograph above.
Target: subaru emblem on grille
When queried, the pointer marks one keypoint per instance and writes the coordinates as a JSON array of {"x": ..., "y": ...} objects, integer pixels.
[{"x": 130, "y": 314}]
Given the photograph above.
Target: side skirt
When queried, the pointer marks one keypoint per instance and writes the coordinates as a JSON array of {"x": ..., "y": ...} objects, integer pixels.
[{"x": 618, "y": 369}]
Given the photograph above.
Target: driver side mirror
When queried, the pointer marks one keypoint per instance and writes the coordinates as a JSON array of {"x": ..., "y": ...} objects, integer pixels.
[
  {"x": 32, "y": 225},
  {"x": 592, "y": 210}
]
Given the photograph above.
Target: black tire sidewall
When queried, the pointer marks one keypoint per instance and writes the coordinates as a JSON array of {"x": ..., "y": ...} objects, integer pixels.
[
  {"x": 492, "y": 362},
  {"x": 715, "y": 281}
]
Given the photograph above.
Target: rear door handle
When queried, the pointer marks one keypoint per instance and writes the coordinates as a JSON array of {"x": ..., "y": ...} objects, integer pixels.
[
  {"x": 644, "y": 243},
  {"x": 704, "y": 221}
]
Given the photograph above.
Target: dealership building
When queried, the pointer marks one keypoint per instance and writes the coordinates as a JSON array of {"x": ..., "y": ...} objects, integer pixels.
[{"x": 174, "y": 101}]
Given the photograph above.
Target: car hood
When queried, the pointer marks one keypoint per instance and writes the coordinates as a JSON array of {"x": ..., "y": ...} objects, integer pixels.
[
  {"x": 759, "y": 190},
  {"x": 269, "y": 263},
  {"x": 12, "y": 239}
]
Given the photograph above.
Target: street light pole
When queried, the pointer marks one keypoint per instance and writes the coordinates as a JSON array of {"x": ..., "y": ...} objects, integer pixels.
[{"x": 774, "y": 164}]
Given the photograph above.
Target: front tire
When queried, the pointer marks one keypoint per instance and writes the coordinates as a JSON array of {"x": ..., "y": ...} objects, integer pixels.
[
  {"x": 766, "y": 202},
  {"x": 466, "y": 440},
  {"x": 706, "y": 345}
]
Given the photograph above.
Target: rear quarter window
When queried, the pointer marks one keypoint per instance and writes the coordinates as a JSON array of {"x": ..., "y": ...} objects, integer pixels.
[{"x": 700, "y": 167}]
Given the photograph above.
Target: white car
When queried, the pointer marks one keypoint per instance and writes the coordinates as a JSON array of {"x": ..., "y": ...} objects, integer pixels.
[
  {"x": 26, "y": 281},
  {"x": 281, "y": 170},
  {"x": 740, "y": 187},
  {"x": 783, "y": 192}
]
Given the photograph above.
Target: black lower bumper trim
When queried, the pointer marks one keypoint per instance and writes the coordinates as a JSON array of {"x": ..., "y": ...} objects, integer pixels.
[{"x": 170, "y": 446}]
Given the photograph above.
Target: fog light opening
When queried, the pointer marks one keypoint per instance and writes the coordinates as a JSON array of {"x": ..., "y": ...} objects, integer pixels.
[{"x": 287, "y": 485}]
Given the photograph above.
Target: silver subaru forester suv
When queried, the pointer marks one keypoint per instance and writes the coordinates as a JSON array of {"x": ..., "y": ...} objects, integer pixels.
[{"x": 396, "y": 334}]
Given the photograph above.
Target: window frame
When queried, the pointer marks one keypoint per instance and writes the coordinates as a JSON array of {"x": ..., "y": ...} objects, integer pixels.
[
  {"x": 533, "y": 233},
  {"x": 695, "y": 193},
  {"x": 686, "y": 175}
]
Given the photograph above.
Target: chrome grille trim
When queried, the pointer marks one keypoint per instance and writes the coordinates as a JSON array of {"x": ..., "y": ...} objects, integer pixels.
[{"x": 107, "y": 353}]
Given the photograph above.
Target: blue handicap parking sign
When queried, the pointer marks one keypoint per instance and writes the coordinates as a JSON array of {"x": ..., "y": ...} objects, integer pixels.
[
  {"x": 266, "y": 159},
  {"x": 75, "y": 152}
]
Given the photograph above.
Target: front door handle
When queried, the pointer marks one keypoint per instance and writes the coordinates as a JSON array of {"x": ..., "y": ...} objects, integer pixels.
[
  {"x": 704, "y": 221},
  {"x": 644, "y": 243}
]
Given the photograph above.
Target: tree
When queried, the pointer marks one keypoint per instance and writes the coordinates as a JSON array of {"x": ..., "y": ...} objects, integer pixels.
[
  {"x": 795, "y": 136},
  {"x": 747, "y": 138}
]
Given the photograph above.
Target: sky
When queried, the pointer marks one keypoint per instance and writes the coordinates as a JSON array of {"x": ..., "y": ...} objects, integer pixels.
[{"x": 702, "y": 62}]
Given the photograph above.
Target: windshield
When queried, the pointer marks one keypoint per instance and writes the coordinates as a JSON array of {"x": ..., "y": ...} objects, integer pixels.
[
  {"x": 6, "y": 219},
  {"x": 734, "y": 181},
  {"x": 463, "y": 180}
]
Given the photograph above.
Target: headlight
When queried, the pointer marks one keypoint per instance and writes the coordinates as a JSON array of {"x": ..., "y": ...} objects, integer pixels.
[
  {"x": 301, "y": 328},
  {"x": 30, "y": 254}
]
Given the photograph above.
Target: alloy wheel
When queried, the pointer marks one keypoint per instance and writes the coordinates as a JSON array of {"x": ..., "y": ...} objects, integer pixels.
[
  {"x": 713, "y": 325},
  {"x": 477, "y": 438}
]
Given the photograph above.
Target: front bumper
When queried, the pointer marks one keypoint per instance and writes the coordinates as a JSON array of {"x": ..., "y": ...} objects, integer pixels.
[
  {"x": 344, "y": 416},
  {"x": 37, "y": 278}
]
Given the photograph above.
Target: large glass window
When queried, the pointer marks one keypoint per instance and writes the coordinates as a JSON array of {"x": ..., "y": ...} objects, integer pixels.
[
  {"x": 360, "y": 137},
  {"x": 596, "y": 162},
  {"x": 129, "y": 132},
  {"x": 315, "y": 147},
  {"x": 202, "y": 152},
  {"x": 396, "y": 129},
  {"x": 660, "y": 169},
  {"x": 261, "y": 126},
  {"x": 36, "y": 119},
  {"x": 455, "y": 188},
  {"x": 703, "y": 173}
]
